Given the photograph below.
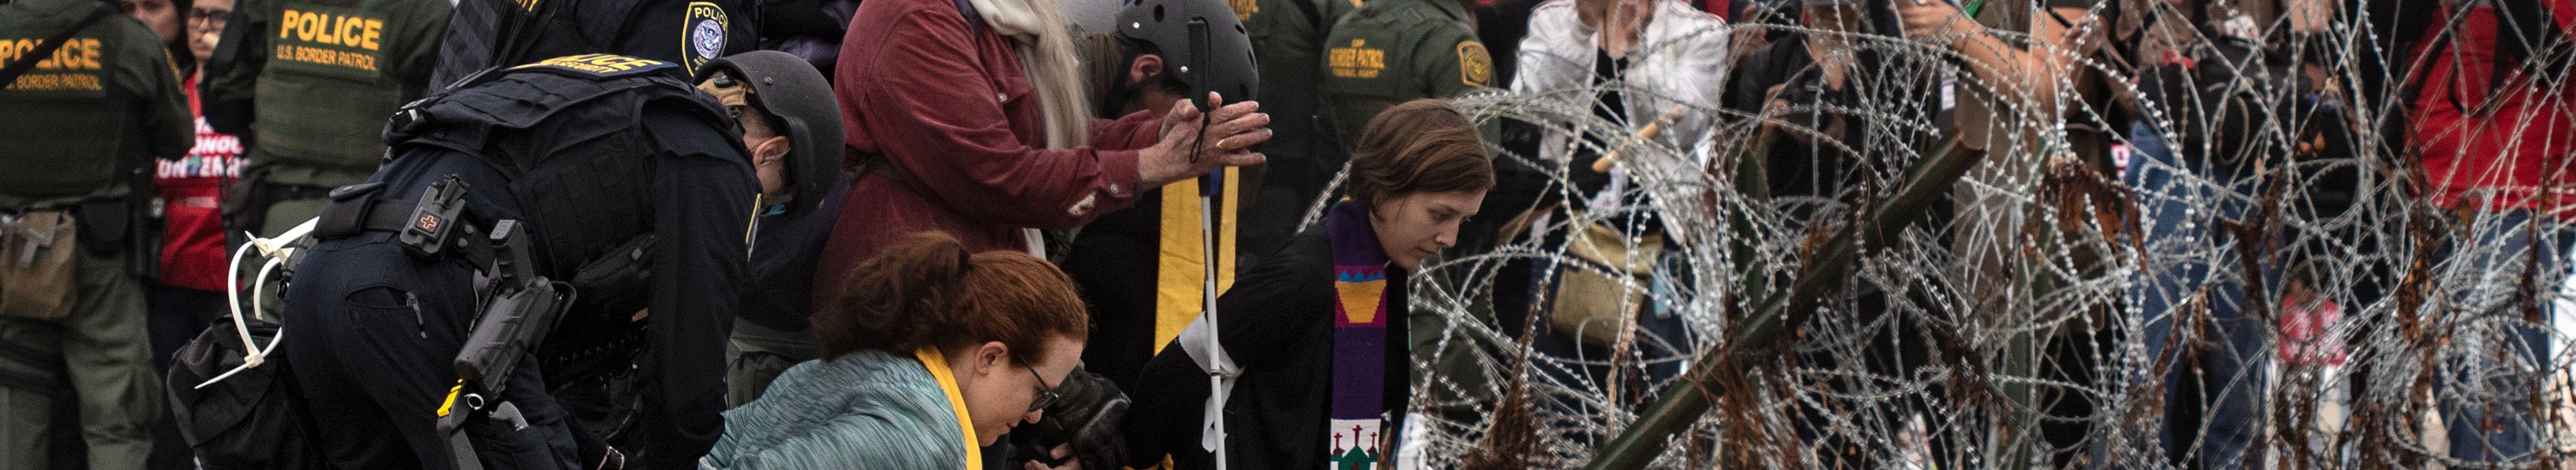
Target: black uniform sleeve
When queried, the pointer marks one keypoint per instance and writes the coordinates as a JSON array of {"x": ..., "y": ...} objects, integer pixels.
[
  {"x": 702, "y": 207},
  {"x": 232, "y": 75},
  {"x": 1272, "y": 311},
  {"x": 466, "y": 42}
]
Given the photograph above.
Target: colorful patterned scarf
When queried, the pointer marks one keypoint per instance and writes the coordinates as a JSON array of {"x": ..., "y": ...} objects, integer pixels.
[{"x": 1359, "y": 340}]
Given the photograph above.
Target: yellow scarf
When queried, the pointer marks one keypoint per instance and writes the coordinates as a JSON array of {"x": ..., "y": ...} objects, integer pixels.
[{"x": 938, "y": 365}]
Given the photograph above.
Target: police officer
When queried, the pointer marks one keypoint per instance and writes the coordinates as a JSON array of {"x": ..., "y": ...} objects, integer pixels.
[
  {"x": 88, "y": 100},
  {"x": 689, "y": 33},
  {"x": 318, "y": 77},
  {"x": 1288, "y": 36},
  {"x": 387, "y": 299},
  {"x": 794, "y": 133},
  {"x": 1392, "y": 51}
]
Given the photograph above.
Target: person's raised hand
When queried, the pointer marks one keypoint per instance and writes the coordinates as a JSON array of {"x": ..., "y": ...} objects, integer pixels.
[
  {"x": 1934, "y": 19},
  {"x": 1194, "y": 143}
]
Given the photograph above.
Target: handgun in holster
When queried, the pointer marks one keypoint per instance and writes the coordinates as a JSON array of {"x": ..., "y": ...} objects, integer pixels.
[
  {"x": 599, "y": 335},
  {"x": 520, "y": 309}
]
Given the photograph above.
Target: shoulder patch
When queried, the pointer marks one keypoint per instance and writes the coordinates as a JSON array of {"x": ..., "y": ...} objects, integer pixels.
[
  {"x": 702, "y": 35},
  {"x": 597, "y": 65},
  {"x": 1244, "y": 9},
  {"x": 1475, "y": 66}
]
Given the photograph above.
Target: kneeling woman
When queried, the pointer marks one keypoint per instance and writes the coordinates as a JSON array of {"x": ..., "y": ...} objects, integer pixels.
[
  {"x": 1324, "y": 372},
  {"x": 934, "y": 354}
]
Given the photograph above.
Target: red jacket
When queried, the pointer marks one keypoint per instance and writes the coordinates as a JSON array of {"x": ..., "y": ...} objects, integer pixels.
[
  {"x": 949, "y": 108},
  {"x": 2509, "y": 155}
]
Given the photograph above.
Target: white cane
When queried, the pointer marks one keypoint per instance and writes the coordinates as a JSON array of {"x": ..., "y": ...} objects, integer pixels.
[{"x": 1210, "y": 187}]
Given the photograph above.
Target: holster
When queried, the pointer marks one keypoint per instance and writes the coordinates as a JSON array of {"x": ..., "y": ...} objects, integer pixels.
[{"x": 125, "y": 225}]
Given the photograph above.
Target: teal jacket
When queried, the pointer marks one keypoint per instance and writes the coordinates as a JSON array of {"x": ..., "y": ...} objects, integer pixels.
[{"x": 867, "y": 409}]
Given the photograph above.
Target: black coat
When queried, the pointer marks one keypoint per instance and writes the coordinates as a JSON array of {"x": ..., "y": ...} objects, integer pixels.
[
  {"x": 1820, "y": 169},
  {"x": 1277, "y": 324}
]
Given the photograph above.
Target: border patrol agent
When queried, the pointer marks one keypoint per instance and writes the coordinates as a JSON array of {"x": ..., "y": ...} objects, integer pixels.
[
  {"x": 585, "y": 154},
  {"x": 1393, "y": 51},
  {"x": 688, "y": 33},
  {"x": 1288, "y": 36},
  {"x": 82, "y": 127},
  {"x": 319, "y": 77}
]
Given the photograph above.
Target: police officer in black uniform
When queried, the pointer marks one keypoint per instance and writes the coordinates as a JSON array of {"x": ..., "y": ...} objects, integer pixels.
[
  {"x": 590, "y": 365},
  {"x": 689, "y": 33},
  {"x": 498, "y": 190}
]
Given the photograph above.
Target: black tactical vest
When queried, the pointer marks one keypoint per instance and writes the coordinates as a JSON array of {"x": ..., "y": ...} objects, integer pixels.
[
  {"x": 687, "y": 33},
  {"x": 569, "y": 132}
]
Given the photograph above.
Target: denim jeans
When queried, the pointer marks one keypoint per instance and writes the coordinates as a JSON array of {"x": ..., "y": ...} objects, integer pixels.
[
  {"x": 2181, "y": 202},
  {"x": 2484, "y": 399}
]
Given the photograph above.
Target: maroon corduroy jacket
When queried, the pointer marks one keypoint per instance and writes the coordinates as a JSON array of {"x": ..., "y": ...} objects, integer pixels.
[{"x": 947, "y": 106}]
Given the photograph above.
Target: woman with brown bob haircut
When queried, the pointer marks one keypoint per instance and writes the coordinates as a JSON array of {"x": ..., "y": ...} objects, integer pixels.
[
  {"x": 1323, "y": 371},
  {"x": 933, "y": 354}
]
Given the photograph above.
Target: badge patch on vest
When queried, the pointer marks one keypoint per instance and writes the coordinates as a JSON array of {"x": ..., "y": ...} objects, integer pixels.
[
  {"x": 597, "y": 65},
  {"x": 1475, "y": 67},
  {"x": 702, "y": 35},
  {"x": 1357, "y": 61}
]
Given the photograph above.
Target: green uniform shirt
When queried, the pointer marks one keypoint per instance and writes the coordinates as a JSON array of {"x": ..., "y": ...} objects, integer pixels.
[
  {"x": 1288, "y": 37},
  {"x": 321, "y": 76},
  {"x": 97, "y": 110},
  {"x": 1392, "y": 51}
]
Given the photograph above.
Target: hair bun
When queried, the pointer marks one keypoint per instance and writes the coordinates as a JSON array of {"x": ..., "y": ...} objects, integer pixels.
[{"x": 914, "y": 294}]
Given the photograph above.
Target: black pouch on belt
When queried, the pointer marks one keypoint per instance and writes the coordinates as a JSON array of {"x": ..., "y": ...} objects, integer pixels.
[{"x": 105, "y": 224}]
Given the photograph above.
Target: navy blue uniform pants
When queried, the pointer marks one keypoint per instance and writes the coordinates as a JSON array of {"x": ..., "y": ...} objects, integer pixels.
[{"x": 373, "y": 333}]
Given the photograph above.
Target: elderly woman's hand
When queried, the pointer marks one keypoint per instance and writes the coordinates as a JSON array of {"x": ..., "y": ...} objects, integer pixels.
[{"x": 1188, "y": 150}]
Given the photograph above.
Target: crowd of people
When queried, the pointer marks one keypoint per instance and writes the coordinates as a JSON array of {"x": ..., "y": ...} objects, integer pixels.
[{"x": 971, "y": 234}]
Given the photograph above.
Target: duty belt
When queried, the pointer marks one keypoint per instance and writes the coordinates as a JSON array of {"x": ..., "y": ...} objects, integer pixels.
[{"x": 516, "y": 307}]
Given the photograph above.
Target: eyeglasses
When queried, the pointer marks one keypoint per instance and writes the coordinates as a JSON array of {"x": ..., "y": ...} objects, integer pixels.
[
  {"x": 207, "y": 15},
  {"x": 1046, "y": 393}
]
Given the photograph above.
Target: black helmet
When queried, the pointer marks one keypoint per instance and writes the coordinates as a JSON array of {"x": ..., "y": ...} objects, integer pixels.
[
  {"x": 799, "y": 104},
  {"x": 1204, "y": 45}
]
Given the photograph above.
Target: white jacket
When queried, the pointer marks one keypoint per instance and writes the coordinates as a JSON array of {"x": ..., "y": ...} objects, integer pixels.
[{"x": 1680, "y": 59}]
